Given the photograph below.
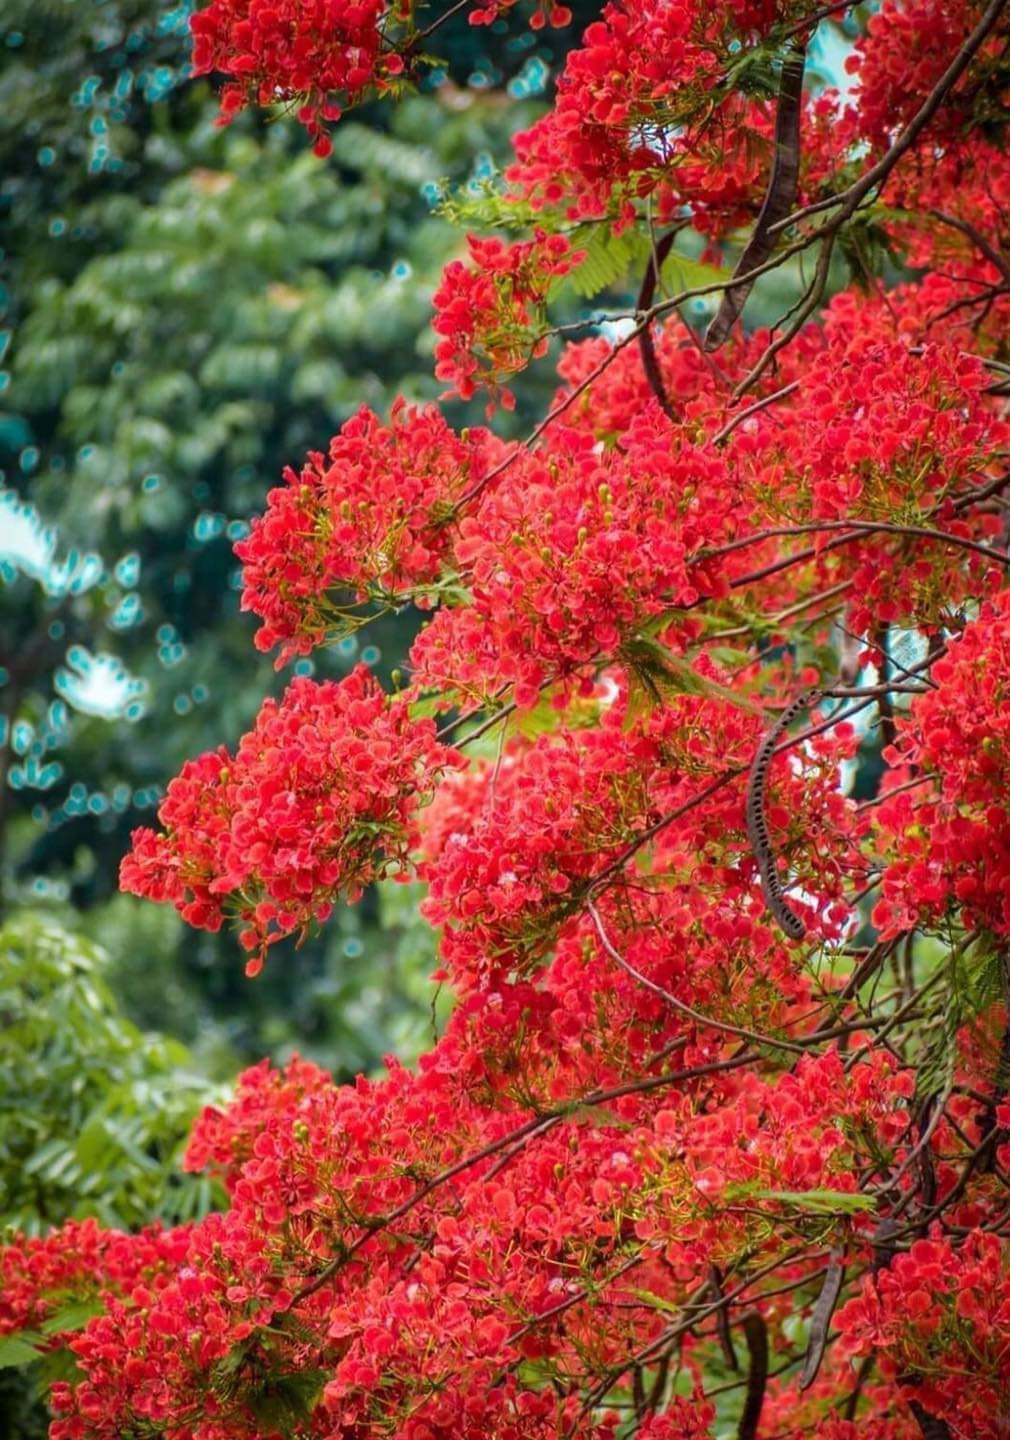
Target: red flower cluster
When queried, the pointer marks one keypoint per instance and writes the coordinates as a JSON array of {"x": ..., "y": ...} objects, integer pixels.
[
  {"x": 328, "y": 55},
  {"x": 902, "y": 55},
  {"x": 672, "y": 1115},
  {"x": 938, "y": 1322},
  {"x": 547, "y": 12},
  {"x": 776, "y": 1141},
  {"x": 312, "y": 1165},
  {"x": 573, "y": 551},
  {"x": 324, "y": 53},
  {"x": 551, "y": 820},
  {"x": 490, "y": 312},
  {"x": 84, "y": 1261},
  {"x": 641, "y": 110},
  {"x": 958, "y": 174},
  {"x": 366, "y": 523},
  {"x": 613, "y": 389},
  {"x": 951, "y": 834},
  {"x": 514, "y": 848},
  {"x": 877, "y": 433},
  {"x": 319, "y": 799}
]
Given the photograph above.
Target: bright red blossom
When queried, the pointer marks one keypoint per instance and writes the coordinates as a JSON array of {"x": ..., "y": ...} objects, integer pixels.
[
  {"x": 490, "y": 310},
  {"x": 369, "y": 522},
  {"x": 325, "y": 53},
  {"x": 954, "y": 828},
  {"x": 716, "y": 1139},
  {"x": 318, "y": 799},
  {"x": 936, "y": 1315}
]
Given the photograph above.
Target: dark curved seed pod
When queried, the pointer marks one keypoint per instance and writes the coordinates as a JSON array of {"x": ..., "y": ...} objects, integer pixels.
[
  {"x": 931, "y": 1427},
  {"x": 722, "y": 1325},
  {"x": 646, "y": 343},
  {"x": 881, "y": 1240},
  {"x": 757, "y": 823},
  {"x": 821, "y": 1321},
  {"x": 779, "y": 198},
  {"x": 756, "y": 1334}
]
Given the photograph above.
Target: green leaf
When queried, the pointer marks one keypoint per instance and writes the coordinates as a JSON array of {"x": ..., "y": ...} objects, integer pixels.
[
  {"x": 611, "y": 258},
  {"x": 72, "y": 1316},
  {"x": 818, "y": 1202},
  {"x": 93, "y": 1110},
  {"x": 598, "y": 1116},
  {"x": 286, "y": 1401},
  {"x": 17, "y": 1351},
  {"x": 972, "y": 983},
  {"x": 680, "y": 272},
  {"x": 654, "y": 1301},
  {"x": 608, "y": 259},
  {"x": 657, "y": 673}
]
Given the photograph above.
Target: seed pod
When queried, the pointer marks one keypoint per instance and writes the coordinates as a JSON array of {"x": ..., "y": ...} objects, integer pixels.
[{"x": 757, "y": 823}]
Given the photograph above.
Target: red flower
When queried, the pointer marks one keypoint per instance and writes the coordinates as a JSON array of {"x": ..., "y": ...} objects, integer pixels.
[
  {"x": 319, "y": 800},
  {"x": 366, "y": 523},
  {"x": 491, "y": 311}
]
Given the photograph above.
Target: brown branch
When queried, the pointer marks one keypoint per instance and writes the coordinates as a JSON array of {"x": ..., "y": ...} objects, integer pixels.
[
  {"x": 851, "y": 197},
  {"x": 696, "y": 1015},
  {"x": 695, "y": 1314},
  {"x": 1001, "y": 263},
  {"x": 813, "y": 297},
  {"x": 742, "y": 415},
  {"x": 774, "y": 567},
  {"x": 824, "y": 13},
  {"x": 857, "y": 529},
  {"x": 436, "y": 24},
  {"x": 570, "y": 1300}
]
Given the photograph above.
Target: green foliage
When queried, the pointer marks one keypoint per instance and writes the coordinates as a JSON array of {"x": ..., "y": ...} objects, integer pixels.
[
  {"x": 817, "y": 1202},
  {"x": 612, "y": 260},
  {"x": 190, "y": 309},
  {"x": 656, "y": 675},
  {"x": 278, "y": 1399},
  {"x": 608, "y": 259},
  {"x": 967, "y": 978},
  {"x": 80, "y": 87},
  {"x": 190, "y": 315},
  {"x": 93, "y": 1112}
]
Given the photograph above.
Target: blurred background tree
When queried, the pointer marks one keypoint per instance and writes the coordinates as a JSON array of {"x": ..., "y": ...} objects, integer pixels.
[
  {"x": 187, "y": 310},
  {"x": 94, "y": 1113}
]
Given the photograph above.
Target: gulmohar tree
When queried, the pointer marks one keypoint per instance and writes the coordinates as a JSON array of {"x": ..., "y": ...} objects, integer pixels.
[{"x": 716, "y": 1141}]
